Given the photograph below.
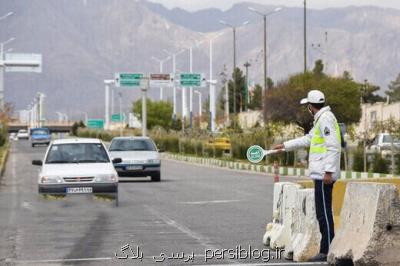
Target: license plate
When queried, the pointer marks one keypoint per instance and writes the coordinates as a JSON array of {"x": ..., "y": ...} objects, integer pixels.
[
  {"x": 134, "y": 167},
  {"x": 78, "y": 190}
]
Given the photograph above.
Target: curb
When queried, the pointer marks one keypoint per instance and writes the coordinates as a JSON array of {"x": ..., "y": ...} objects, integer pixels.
[
  {"x": 269, "y": 169},
  {"x": 4, "y": 159}
]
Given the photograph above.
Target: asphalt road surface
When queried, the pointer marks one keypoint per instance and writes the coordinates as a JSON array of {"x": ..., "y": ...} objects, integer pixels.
[{"x": 187, "y": 219}]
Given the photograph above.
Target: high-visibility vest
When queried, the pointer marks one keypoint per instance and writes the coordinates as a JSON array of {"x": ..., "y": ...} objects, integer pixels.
[{"x": 318, "y": 142}]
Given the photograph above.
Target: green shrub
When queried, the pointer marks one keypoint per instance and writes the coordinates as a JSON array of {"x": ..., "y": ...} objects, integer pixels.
[
  {"x": 358, "y": 161},
  {"x": 380, "y": 165}
]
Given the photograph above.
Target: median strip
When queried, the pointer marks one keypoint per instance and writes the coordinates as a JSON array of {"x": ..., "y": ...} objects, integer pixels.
[{"x": 268, "y": 169}]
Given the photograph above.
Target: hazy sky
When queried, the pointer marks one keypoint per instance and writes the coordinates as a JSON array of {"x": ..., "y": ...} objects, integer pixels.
[{"x": 225, "y": 4}]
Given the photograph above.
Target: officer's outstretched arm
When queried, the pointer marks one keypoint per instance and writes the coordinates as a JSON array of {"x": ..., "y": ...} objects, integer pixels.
[{"x": 299, "y": 143}]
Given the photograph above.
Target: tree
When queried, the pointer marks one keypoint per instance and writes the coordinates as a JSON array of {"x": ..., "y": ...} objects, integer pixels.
[
  {"x": 342, "y": 95},
  {"x": 159, "y": 113},
  {"x": 318, "y": 69},
  {"x": 256, "y": 98},
  {"x": 76, "y": 126},
  {"x": 368, "y": 93},
  {"x": 236, "y": 89},
  {"x": 394, "y": 89}
]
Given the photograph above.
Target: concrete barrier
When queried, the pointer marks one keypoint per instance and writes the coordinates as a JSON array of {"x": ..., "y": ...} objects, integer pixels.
[
  {"x": 370, "y": 226},
  {"x": 278, "y": 233},
  {"x": 305, "y": 239}
]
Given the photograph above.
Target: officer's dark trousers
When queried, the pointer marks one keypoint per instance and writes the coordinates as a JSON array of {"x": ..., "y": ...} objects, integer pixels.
[{"x": 323, "y": 208}]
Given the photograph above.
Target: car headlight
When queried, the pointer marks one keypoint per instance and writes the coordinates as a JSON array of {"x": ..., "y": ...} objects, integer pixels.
[
  {"x": 155, "y": 161},
  {"x": 106, "y": 178},
  {"x": 50, "y": 179}
]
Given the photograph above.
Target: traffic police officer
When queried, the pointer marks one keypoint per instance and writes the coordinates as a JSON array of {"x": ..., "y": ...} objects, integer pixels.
[{"x": 324, "y": 142}]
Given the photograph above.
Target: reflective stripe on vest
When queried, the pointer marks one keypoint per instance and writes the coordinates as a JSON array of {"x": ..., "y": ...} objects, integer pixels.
[{"x": 318, "y": 142}]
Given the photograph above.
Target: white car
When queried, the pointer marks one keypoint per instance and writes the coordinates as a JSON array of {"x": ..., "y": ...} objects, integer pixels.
[
  {"x": 77, "y": 166},
  {"x": 22, "y": 134},
  {"x": 140, "y": 157}
]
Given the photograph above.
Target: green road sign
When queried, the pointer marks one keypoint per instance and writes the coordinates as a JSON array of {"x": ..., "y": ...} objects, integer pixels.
[
  {"x": 255, "y": 154},
  {"x": 190, "y": 79},
  {"x": 117, "y": 117},
  {"x": 95, "y": 123},
  {"x": 128, "y": 79}
]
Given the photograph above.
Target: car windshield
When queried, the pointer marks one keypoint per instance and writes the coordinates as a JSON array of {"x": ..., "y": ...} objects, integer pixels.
[
  {"x": 77, "y": 153},
  {"x": 132, "y": 145},
  {"x": 388, "y": 139},
  {"x": 40, "y": 132}
]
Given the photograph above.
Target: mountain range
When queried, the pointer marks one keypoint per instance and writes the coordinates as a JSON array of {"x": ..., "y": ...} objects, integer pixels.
[{"x": 84, "y": 42}]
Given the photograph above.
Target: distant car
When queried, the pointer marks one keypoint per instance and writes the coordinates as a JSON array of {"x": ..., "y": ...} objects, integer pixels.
[
  {"x": 22, "y": 134},
  {"x": 77, "y": 166},
  {"x": 220, "y": 143},
  {"x": 40, "y": 136},
  {"x": 13, "y": 136},
  {"x": 140, "y": 157},
  {"x": 383, "y": 143}
]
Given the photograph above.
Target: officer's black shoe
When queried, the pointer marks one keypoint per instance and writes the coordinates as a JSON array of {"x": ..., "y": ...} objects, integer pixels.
[{"x": 319, "y": 257}]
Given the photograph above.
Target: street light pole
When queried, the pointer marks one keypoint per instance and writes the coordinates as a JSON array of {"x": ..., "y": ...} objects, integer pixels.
[
  {"x": 107, "y": 83},
  {"x": 264, "y": 92},
  {"x": 191, "y": 88},
  {"x": 120, "y": 113},
  {"x": 161, "y": 62},
  {"x": 6, "y": 15},
  {"x": 234, "y": 58},
  {"x": 200, "y": 107},
  {"x": 174, "y": 76}
]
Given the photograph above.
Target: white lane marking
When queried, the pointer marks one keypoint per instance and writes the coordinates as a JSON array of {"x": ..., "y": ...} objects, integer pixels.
[
  {"x": 26, "y": 205},
  {"x": 268, "y": 264},
  {"x": 208, "y": 202},
  {"x": 201, "y": 239},
  {"x": 56, "y": 260}
]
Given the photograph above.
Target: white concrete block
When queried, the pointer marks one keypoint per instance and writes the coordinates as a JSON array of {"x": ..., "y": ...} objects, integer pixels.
[
  {"x": 305, "y": 240},
  {"x": 369, "y": 232},
  {"x": 280, "y": 230}
]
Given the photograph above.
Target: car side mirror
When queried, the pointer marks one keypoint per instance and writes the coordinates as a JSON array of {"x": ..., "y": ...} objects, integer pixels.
[
  {"x": 117, "y": 160},
  {"x": 161, "y": 150},
  {"x": 37, "y": 162}
]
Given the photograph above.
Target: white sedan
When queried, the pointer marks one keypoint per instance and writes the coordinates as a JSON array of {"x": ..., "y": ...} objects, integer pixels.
[
  {"x": 22, "y": 134},
  {"x": 78, "y": 166},
  {"x": 140, "y": 157}
]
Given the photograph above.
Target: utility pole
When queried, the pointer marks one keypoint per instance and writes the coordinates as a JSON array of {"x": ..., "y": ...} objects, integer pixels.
[{"x": 246, "y": 96}]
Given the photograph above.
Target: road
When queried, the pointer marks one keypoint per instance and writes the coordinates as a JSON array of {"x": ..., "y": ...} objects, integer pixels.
[{"x": 195, "y": 210}]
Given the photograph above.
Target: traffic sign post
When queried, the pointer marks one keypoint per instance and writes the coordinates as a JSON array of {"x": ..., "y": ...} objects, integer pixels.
[
  {"x": 145, "y": 84},
  {"x": 128, "y": 79},
  {"x": 191, "y": 80},
  {"x": 17, "y": 63},
  {"x": 95, "y": 123}
]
